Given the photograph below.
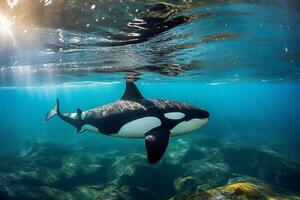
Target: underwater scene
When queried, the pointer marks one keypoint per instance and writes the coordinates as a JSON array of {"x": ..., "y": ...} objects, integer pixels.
[{"x": 138, "y": 100}]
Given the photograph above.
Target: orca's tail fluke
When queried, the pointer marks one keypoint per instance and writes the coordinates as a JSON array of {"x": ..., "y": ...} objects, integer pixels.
[{"x": 52, "y": 112}]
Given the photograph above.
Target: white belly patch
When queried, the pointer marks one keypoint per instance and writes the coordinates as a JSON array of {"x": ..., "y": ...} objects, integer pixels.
[
  {"x": 137, "y": 128},
  {"x": 174, "y": 115},
  {"x": 188, "y": 126}
]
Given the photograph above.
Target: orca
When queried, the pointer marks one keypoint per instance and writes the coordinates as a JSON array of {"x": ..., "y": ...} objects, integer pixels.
[{"x": 134, "y": 116}]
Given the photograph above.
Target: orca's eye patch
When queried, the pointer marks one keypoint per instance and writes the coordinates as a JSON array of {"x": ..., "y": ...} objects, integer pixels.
[{"x": 174, "y": 115}]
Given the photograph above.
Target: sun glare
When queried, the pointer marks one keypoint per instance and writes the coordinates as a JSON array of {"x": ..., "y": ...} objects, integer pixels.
[
  {"x": 5, "y": 26},
  {"x": 12, "y": 3}
]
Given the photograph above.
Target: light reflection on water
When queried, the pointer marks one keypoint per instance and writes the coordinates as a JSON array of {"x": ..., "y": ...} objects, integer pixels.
[{"x": 210, "y": 42}]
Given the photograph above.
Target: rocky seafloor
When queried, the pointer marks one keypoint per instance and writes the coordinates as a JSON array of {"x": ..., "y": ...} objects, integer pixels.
[{"x": 192, "y": 168}]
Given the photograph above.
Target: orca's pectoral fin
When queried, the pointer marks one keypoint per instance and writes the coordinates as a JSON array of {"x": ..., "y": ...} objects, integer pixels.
[
  {"x": 156, "y": 142},
  {"x": 80, "y": 130}
]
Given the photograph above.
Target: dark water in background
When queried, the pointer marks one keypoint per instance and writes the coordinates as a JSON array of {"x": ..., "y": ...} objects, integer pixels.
[{"x": 237, "y": 59}]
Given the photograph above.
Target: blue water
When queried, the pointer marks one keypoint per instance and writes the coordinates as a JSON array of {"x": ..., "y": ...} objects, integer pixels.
[
  {"x": 266, "y": 110},
  {"x": 237, "y": 60}
]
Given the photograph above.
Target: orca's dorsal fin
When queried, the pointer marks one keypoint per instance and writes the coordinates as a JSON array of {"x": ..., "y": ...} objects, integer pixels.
[
  {"x": 132, "y": 93},
  {"x": 79, "y": 112}
]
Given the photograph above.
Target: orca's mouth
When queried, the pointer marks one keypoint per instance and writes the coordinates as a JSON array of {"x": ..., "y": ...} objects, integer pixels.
[
  {"x": 204, "y": 114},
  {"x": 204, "y": 120}
]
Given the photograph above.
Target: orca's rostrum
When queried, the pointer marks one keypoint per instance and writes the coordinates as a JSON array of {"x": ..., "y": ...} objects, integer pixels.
[{"x": 134, "y": 116}]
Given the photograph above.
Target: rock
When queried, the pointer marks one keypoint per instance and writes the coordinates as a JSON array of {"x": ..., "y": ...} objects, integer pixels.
[
  {"x": 112, "y": 193},
  {"x": 243, "y": 191},
  {"x": 142, "y": 180},
  {"x": 183, "y": 150},
  {"x": 236, "y": 191},
  {"x": 208, "y": 174},
  {"x": 186, "y": 185},
  {"x": 240, "y": 191},
  {"x": 201, "y": 153},
  {"x": 267, "y": 165},
  {"x": 127, "y": 164},
  {"x": 176, "y": 151},
  {"x": 54, "y": 171},
  {"x": 181, "y": 196},
  {"x": 38, "y": 176},
  {"x": 52, "y": 193}
]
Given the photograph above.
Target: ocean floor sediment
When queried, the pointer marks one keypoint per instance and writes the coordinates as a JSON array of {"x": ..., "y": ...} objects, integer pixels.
[{"x": 202, "y": 168}]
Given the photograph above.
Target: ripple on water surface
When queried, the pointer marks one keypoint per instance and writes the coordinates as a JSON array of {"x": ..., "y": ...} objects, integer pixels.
[{"x": 214, "y": 41}]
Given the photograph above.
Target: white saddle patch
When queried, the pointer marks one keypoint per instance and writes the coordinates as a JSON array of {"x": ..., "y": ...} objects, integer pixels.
[
  {"x": 174, "y": 115},
  {"x": 88, "y": 127},
  {"x": 73, "y": 115},
  {"x": 137, "y": 128},
  {"x": 188, "y": 126}
]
